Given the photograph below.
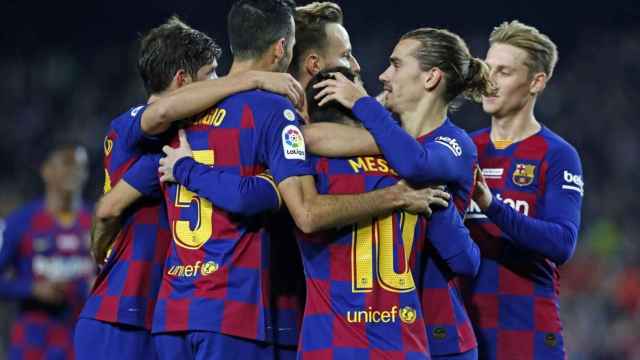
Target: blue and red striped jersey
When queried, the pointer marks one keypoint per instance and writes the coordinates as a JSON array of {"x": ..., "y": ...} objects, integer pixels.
[
  {"x": 127, "y": 285},
  {"x": 217, "y": 270},
  {"x": 445, "y": 156},
  {"x": 537, "y": 186},
  {"x": 38, "y": 247},
  {"x": 362, "y": 299}
]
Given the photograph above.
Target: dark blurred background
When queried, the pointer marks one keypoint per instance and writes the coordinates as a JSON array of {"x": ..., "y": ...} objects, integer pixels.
[{"x": 67, "y": 68}]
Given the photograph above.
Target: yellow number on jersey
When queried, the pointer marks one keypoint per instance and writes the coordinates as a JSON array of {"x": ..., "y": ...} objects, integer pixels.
[
  {"x": 183, "y": 234},
  {"x": 362, "y": 257}
]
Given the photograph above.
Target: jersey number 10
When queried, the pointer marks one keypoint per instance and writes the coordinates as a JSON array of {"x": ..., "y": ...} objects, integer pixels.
[{"x": 380, "y": 234}]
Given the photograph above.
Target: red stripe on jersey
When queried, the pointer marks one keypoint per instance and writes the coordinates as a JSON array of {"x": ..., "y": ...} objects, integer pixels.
[
  {"x": 442, "y": 314},
  {"x": 510, "y": 283},
  {"x": 246, "y": 122},
  {"x": 240, "y": 319},
  {"x": 485, "y": 310},
  {"x": 339, "y": 258},
  {"x": 225, "y": 144},
  {"x": 533, "y": 148},
  {"x": 346, "y": 184},
  {"x": 546, "y": 315}
]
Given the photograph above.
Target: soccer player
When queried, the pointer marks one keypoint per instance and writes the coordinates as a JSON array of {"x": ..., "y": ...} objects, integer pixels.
[
  {"x": 218, "y": 310},
  {"x": 46, "y": 243},
  {"x": 374, "y": 309},
  {"x": 321, "y": 41},
  {"x": 429, "y": 69},
  {"x": 529, "y": 225},
  {"x": 116, "y": 319}
]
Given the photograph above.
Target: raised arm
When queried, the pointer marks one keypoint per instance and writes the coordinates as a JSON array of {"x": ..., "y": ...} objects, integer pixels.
[
  {"x": 553, "y": 232},
  {"x": 337, "y": 140},
  {"x": 199, "y": 96},
  {"x": 437, "y": 161}
]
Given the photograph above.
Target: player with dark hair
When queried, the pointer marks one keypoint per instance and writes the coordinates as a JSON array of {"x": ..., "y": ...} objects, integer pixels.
[
  {"x": 46, "y": 243},
  {"x": 529, "y": 226},
  {"x": 174, "y": 60},
  {"x": 219, "y": 310},
  {"x": 428, "y": 69}
]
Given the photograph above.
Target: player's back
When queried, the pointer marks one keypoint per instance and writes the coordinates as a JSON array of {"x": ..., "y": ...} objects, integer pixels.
[
  {"x": 42, "y": 248},
  {"x": 216, "y": 276},
  {"x": 521, "y": 286},
  {"x": 127, "y": 285},
  {"x": 362, "y": 299}
]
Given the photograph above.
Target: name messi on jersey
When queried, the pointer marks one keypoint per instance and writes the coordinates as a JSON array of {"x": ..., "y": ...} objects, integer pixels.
[{"x": 371, "y": 164}]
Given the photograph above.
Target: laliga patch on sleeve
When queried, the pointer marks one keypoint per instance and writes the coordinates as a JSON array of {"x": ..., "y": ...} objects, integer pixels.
[
  {"x": 293, "y": 143},
  {"x": 451, "y": 144}
]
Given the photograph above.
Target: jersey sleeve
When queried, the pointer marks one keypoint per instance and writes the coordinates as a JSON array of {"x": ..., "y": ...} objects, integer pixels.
[
  {"x": 554, "y": 232},
  {"x": 132, "y": 132},
  {"x": 284, "y": 147},
  {"x": 19, "y": 286},
  {"x": 143, "y": 176},
  {"x": 445, "y": 160},
  {"x": 451, "y": 239},
  {"x": 246, "y": 195}
]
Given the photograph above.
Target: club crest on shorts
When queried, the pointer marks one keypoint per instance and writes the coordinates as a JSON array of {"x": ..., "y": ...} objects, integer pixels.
[{"x": 524, "y": 174}]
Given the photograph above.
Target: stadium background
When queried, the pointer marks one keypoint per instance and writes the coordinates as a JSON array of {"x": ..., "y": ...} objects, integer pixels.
[{"x": 66, "y": 69}]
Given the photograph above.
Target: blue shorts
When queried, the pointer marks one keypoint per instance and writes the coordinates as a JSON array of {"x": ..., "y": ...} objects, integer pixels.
[
  {"x": 201, "y": 345},
  {"x": 98, "y": 340},
  {"x": 469, "y": 355}
]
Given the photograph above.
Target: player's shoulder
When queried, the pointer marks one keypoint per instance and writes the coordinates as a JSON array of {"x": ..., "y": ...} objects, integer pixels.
[
  {"x": 455, "y": 136},
  {"x": 557, "y": 145},
  {"x": 480, "y": 136},
  {"x": 22, "y": 214},
  {"x": 126, "y": 117}
]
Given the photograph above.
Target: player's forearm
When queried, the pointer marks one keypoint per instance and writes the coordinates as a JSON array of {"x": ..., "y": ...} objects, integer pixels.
[
  {"x": 193, "y": 99},
  {"x": 452, "y": 241},
  {"x": 404, "y": 153},
  {"x": 103, "y": 233},
  {"x": 553, "y": 240},
  {"x": 246, "y": 195},
  {"x": 324, "y": 212},
  {"x": 337, "y": 140}
]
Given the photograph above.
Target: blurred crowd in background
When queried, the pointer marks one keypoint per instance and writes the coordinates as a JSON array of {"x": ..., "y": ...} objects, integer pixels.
[{"x": 63, "y": 93}]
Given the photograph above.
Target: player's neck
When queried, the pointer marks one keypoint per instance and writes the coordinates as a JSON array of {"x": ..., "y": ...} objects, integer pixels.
[
  {"x": 240, "y": 66},
  {"x": 62, "y": 202},
  {"x": 427, "y": 116},
  {"x": 515, "y": 127}
]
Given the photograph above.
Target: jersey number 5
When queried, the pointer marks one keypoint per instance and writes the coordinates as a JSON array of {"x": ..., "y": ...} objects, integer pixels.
[
  {"x": 380, "y": 234},
  {"x": 183, "y": 234}
]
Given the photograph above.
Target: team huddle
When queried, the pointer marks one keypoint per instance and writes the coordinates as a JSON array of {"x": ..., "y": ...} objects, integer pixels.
[{"x": 281, "y": 212}]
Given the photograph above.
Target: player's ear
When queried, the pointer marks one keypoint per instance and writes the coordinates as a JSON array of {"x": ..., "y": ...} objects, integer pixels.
[
  {"x": 432, "y": 78},
  {"x": 538, "y": 83},
  {"x": 180, "y": 79},
  {"x": 312, "y": 64},
  {"x": 279, "y": 50}
]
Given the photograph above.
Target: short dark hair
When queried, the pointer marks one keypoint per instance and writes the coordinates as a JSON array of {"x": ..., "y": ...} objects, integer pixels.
[
  {"x": 332, "y": 111},
  {"x": 170, "y": 47},
  {"x": 311, "y": 33},
  {"x": 254, "y": 25}
]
